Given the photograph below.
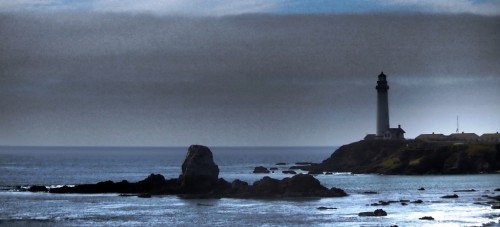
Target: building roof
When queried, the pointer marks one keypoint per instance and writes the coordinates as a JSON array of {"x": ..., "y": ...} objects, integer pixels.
[
  {"x": 464, "y": 136},
  {"x": 432, "y": 136},
  {"x": 490, "y": 136},
  {"x": 396, "y": 130}
]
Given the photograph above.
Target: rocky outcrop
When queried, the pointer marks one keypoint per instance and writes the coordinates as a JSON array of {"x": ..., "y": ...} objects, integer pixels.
[
  {"x": 199, "y": 171},
  {"x": 301, "y": 185},
  {"x": 411, "y": 157},
  {"x": 428, "y": 218},
  {"x": 454, "y": 196},
  {"x": 153, "y": 184},
  {"x": 326, "y": 208},
  {"x": 260, "y": 169},
  {"x": 199, "y": 179},
  {"x": 38, "y": 188},
  {"x": 376, "y": 213}
]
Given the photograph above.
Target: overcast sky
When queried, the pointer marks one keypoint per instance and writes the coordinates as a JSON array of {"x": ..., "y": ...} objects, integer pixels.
[{"x": 253, "y": 73}]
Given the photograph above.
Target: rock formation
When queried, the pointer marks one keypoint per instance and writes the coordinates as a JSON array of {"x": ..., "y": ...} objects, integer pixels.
[
  {"x": 376, "y": 213},
  {"x": 428, "y": 218},
  {"x": 300, "y": 185},
  {"x": 260, "y": 169},
  {"x": 199, "y": 179},
  {"x": 199, "y": 171},
  {"x": 38, "y": 188},
  {"x": 454, "y": 196}
]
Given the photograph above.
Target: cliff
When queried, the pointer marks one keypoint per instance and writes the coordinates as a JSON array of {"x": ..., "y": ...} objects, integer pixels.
[{"x": 412, "y": 157}]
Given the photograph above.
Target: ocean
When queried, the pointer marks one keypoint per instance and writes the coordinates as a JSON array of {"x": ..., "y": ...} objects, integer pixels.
[{"x": 54, "y": 166}]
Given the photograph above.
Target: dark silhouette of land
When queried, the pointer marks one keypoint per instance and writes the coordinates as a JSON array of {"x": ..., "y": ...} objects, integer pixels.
[{"x": 412, "y": 157}]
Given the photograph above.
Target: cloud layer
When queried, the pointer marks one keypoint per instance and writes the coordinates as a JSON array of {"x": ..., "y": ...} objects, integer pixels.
[
  {"x": 230, "y": 7},
  {"x": 120, "y": 79}
]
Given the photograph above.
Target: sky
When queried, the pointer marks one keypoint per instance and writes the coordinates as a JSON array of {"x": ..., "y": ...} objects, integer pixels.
[{"x": 243, "y": 73}]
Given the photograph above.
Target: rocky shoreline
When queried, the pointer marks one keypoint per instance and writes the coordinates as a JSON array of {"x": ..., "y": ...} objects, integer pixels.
[
  {"x": 200, "y": 179},
  {"x": 411, "y": 157}
]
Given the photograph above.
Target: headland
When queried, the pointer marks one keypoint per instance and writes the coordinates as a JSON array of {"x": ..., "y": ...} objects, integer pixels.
[{"x": 412, "y": 157}]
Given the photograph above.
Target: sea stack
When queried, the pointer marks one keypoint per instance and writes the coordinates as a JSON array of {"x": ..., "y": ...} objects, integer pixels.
[{"x": 199, "y": 171}]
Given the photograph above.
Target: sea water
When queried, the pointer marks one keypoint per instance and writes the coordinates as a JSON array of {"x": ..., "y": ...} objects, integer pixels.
[{"x": 52, "y": 166}]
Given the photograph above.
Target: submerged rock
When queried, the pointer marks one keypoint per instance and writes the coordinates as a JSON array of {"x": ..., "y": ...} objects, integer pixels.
[
  {"x": 260, "y": 169},
  {"x": 326, "y": 208},
  {"x": 465, "y": 190},
  {"x": 454, "y": 196},
  {"x": 38, "y": 188},
  {"x": 381, "y": 203},
  {"x": 429, "y": 218},
  {"x": 376, "y": 213}
]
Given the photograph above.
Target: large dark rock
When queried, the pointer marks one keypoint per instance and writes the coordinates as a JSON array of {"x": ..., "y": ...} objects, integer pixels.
[
  {"x": 303, "y": 185},
  {"x": 38, "y": 188},
  {"x": 153, "y": 184},
  {"x": 199, "y": 171},
  {"x": 300, "y": 185},
  {"x": 268, "y": 187}
]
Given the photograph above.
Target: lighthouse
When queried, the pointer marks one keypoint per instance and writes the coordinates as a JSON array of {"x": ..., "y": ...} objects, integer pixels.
[
  {"x": 384, "y": 131},
  {"x": 382, "y": 105}
]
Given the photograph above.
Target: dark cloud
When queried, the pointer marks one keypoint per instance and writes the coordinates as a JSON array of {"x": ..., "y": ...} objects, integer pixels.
[{"x": 119, "y": 79}]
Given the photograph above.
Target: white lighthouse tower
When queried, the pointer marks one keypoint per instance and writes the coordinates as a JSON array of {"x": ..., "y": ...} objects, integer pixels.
[
  {"x": 382, "y": 105},
  {"x": 384, "y": 131}
]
